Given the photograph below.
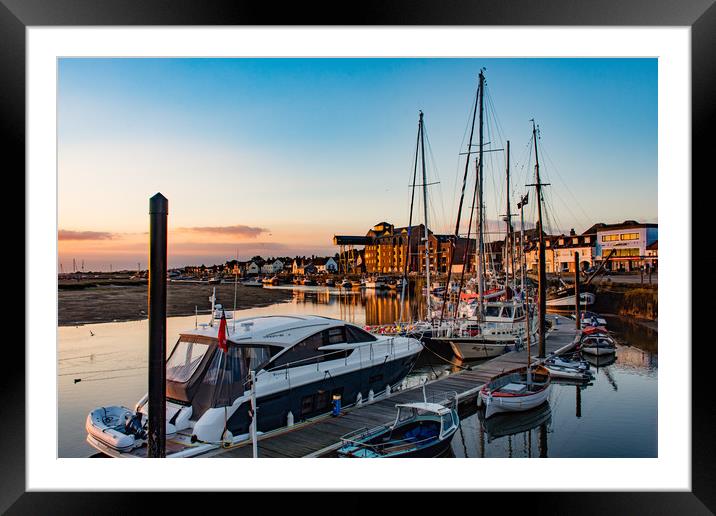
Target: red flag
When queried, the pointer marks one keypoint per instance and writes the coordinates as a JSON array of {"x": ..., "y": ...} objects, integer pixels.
[{"x": 222, "y": 333}]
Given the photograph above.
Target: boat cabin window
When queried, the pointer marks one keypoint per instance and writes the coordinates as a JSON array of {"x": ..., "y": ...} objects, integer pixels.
[
  {"x": 447, "y": 421},
  {"x": 507, "y": 312},
  {"x": 519, "y": 312},
  {"x": 492, "y": 311},
  {"x": 355, "y": 335},
  {"x": 336, "y": 335},
  {"x": 184, "y": 359},
  {"x": 304, "y": 351}
]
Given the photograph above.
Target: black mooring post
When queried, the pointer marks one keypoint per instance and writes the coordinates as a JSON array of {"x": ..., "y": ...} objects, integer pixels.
[
  {"x": 158, "y": 211},
  {"x": 576, "y": 290}
]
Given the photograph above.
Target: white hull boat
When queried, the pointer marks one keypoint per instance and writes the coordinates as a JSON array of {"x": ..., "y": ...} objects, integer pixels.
[
  {"x": 300, "y": 363},
  {"x": 585, "y": 298},
  {"x": 513, "y": 392}
]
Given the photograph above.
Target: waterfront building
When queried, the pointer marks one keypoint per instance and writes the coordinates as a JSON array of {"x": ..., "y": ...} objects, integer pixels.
[
  {"x": 629, "y": 242},
  {"x": 388, "y": 248},
  {"x": 652, "y": 255},
  {"x": 560, "y": 249}
]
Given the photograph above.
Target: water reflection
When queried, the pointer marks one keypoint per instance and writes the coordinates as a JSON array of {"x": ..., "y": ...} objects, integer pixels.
[
  {"x": 362, "y": 306},
  {"x": 613, "y": 416}
]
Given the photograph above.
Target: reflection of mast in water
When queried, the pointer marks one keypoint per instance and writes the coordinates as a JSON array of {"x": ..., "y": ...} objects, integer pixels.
[
  {"x": 529, "y": 443},
  {"x": 464, "y": 444},
  {"x": 610, "y": 379},
  {"x": 579, "y": 400},
  {"x": 482, "y": 439},
  {"x": 509, "y": 446},
  {"x": 543, "y": 440}
]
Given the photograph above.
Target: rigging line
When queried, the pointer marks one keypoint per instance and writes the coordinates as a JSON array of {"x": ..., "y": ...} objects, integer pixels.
[
  {"x": 566, "y": 205},
  {"x": 561, "y": 179},
  {"x": 480, "y": 91},
  {"x": 433, "y": 163},
  {"x": 495, "y": 118}
]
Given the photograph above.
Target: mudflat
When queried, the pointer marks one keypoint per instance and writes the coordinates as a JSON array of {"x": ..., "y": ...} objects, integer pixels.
[{"x": 108, "y": 303}]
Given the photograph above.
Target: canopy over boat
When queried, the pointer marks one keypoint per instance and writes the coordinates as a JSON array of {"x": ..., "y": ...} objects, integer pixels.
[{"x": 434, "y": 408}]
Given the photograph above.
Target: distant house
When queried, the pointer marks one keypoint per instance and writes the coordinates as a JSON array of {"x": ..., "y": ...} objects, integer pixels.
[
  {"x": 303, "y": 267},
  {"x": 325, "y": 265},
  {"x": 254, "y": 267},
  {"x": 273, "y": 267}
]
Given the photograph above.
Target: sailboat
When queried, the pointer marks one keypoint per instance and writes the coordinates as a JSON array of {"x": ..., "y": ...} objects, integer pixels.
[
  {"x": 422, "y": 329},
  {"x": 483, "y": 325},
  {"x": 527, "y": 387},
  {"x": 517, "y": 390}
]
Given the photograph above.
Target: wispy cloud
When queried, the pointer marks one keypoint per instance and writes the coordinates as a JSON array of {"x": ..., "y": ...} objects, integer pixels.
[
  {"x": 235, "y": 231},
  {"x": 66, "y": 234}
]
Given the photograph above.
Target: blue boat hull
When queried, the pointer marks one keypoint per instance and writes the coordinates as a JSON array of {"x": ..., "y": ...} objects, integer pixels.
[{"x": 313, "y": 399}]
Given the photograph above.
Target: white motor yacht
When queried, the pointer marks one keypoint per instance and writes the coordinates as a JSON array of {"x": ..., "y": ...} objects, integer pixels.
[{"x": 301, "y": 364}]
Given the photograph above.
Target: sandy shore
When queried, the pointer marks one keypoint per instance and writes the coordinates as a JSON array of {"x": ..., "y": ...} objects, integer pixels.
[{"x": 129, "y": 303}]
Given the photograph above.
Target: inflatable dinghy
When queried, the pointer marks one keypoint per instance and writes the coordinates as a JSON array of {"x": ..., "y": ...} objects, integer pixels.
[{"x": 116, "y": 427}]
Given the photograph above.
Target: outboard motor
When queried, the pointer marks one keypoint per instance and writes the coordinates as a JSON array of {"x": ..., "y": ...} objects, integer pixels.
[{"x": 133, "y": 426}]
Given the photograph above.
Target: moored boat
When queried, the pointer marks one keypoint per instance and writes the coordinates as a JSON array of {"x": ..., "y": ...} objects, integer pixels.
[
  {"x": 515, "y": 391},
  {"x": 568, "y": 369},
  {"x": 300, "y": 364},
  {"x": 420, "y": 429},
  {"x": 597, "y": 344}
]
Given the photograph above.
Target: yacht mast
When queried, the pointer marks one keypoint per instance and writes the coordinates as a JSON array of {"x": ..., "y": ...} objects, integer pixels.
[
  {"x": 410, "y": 227},
  {"x": 425, "y": 211},
  {"x": 523, "y": 262},
  {"x": 480, "y": 264},
  {"x": 542, "y": 282},
  {"x": 508, "y": 218}
]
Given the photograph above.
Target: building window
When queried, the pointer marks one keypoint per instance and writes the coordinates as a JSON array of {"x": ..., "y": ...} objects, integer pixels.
[
  {"x": 609, "y": 238},
  {"x": 629, "y": 236}
]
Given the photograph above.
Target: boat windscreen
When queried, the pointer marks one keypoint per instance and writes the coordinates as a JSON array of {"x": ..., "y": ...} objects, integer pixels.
[
  {"x": 228, "y": 371},
  {"x": 492, "y": 311},
  {"x": 184, "y": 360}
]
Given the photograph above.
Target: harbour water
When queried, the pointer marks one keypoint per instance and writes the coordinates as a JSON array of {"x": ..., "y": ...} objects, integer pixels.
[{"x": 614, "y": 416}]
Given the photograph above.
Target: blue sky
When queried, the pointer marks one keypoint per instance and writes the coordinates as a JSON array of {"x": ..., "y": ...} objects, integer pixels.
[{"x": 305, "y": 148}]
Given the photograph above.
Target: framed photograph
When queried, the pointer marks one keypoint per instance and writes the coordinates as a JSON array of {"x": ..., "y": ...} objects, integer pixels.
[{"x": 359, "y": 238}]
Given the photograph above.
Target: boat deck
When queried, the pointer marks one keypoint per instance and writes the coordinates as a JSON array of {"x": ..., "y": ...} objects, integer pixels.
[{"x": 321, "y": 436}]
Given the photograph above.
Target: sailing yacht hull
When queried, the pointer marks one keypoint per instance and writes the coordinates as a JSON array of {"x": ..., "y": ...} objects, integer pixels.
[
  {"x": 567, "y": 302},
  {"x": 468, "y": 349}
]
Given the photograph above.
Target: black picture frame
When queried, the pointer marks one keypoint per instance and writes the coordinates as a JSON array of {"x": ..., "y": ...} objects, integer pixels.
[{"x": 700, "y": 15}]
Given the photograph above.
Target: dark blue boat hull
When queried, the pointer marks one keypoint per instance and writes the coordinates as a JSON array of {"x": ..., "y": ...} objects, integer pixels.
[{"x": 313, "y": 399}]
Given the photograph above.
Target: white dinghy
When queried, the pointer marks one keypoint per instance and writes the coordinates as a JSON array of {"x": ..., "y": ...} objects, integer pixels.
[
  {"x": 115, "y": 427},
  {"x": 515, "y": 391}
]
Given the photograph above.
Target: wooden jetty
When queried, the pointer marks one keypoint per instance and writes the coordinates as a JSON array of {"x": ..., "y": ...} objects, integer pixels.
[{"x": 321, "y": 436}]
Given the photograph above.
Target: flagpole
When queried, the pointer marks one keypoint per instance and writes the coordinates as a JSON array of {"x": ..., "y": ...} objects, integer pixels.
[
  {"x": 254, "y": 444},
  {"x": 236, "y": 281}
]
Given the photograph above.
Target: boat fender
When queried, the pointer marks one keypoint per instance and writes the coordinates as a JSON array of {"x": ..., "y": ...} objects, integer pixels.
[
  {"x": 359, "y": 399},
  {"x": 227, "y": 438},
  {"x": 370, "y": 395},
  {"x": 289, "y": 418},
  {"x": 387, "y": 390}
]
